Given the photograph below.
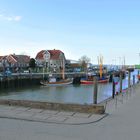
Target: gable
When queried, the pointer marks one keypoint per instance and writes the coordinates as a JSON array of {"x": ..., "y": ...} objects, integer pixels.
[
  {"x": 56, "y": 54},
  {"x": 11, "y": 59}
]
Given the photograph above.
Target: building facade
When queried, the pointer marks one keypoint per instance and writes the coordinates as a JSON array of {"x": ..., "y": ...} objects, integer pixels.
[
  {"x": 53, "y": 60},
  {"x": 14, "y": 62}
]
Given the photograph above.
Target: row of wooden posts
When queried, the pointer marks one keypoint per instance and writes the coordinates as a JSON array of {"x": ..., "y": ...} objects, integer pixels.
[{"x": 113, "y": 86}]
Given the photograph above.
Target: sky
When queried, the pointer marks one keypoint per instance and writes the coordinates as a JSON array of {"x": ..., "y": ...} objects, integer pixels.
[{"x": 76, "y": 27}]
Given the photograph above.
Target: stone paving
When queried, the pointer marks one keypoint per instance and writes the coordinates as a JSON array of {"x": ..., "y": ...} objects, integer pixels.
[{"x": 48, "y": 116}]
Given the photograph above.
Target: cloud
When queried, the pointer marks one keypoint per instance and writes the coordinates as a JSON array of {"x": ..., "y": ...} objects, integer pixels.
[
  {"x": 10, "y": 18},
  {"x": 17, "y": 18}
]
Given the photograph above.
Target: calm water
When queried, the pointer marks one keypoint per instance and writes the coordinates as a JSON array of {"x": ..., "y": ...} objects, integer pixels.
[{"x": 63, "y": 94}]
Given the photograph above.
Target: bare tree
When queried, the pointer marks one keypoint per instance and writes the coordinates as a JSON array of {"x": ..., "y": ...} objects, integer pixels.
[{"x": 84, "y": 60}]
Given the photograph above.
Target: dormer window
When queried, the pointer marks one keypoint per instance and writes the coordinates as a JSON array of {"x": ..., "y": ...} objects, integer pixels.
[{"x": 46, "y": 56}]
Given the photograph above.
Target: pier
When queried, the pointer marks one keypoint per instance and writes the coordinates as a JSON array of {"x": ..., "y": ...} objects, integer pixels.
[{"x": 25, "y": 79}]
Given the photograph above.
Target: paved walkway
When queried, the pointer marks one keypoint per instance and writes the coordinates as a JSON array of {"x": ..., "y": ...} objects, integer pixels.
[{"x": 48, "y": 116}]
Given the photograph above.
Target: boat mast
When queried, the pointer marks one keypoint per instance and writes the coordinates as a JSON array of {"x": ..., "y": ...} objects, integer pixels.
[
  {"x": 100, "y": 63},
  {"x": 63, "y": 69},
  {"x": 123, "y": 68}
]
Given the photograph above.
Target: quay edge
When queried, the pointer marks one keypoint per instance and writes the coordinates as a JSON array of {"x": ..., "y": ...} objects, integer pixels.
[{"x": 85, "y": 108}]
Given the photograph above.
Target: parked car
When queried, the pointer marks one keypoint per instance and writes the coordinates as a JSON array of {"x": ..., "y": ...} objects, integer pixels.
[
  {"x": 26, "y": 71},
  {"x": 7, "y": 73}
]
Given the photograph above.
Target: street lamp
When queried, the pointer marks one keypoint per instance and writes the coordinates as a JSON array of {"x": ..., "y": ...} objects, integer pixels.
[{"x": 139, "y": 58}]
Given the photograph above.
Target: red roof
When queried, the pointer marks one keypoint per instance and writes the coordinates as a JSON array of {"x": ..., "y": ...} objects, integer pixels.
[
  {"x": 16, "y": 58},
  {"x": 40, "y": 54},
  {"x": 11, "y": 59},
  {"x": 1, "y": 57},
  {"x": 21, "y": 58},
  {"x": 53, "y": 53}
]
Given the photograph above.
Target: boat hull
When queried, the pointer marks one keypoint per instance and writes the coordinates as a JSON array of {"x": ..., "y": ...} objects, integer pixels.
[
  {"x": 138, "y": 76},
  {"x": 58, "y": 83},
  {"x": 86, "y": 82}
]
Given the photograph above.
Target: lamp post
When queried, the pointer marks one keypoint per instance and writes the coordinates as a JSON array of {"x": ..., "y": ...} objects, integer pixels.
[
  {"x": 139, "y": 58},
  {"x": 120, "y": 63}
]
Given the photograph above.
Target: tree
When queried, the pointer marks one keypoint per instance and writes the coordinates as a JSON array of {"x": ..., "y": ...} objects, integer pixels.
[
  {"x": 84, "y": 60},
  {"x": 32, "y": 63}
]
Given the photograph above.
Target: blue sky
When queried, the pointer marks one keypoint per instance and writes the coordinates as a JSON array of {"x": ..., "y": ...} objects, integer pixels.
[{"x": 77, "y": 27}]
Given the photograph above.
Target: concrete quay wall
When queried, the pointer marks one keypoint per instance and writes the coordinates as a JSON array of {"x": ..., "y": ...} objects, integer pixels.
[
  {"x": 92, "y": 108},
  {"x": 18, "y": 82}
]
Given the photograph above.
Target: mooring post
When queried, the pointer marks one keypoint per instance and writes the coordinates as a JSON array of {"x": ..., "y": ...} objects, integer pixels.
[
  {"x": 113, "y": 87},
  {"x": 133, "y": 80},
  {"x": 95, "y": 85},
  {"x": 138, "y": 76},
  {"x": 129, "y": 78},
  {"x": 120, "y": 82}
]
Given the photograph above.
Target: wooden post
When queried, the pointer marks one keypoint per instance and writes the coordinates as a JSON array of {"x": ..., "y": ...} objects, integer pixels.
[
  {"x": 113, "y": 89},
  {"x": 133, "y": 80},
  {"x": 120, "y": 82},
  {"x": 129, "y": 78},
  {"x": 138, "y": 76},
  {"x": 95, "y": 85}
]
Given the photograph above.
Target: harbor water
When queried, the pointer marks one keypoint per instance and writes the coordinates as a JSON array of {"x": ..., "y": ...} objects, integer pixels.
[{"x": 80, "y": 94}]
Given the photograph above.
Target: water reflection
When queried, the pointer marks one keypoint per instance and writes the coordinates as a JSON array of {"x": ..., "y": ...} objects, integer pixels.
[{"x": 82, "y": 94}]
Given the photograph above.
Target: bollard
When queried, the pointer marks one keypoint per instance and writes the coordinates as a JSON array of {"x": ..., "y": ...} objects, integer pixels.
[
  {"x": 138, "y": 76},
  {"x": 120, "y": 82},
  {"x": 95, "y": 84},
  {"x": 113, "y": 89},
  {"x": 129, "y": 77},
  {"x": 133, "y": 80}
]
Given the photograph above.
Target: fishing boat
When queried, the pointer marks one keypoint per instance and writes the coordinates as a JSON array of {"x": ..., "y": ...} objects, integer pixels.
[
  {"x": 100, "y": 78},
  {"x": 53, "y": 82},
  {"x": 89, "y": 82}
]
